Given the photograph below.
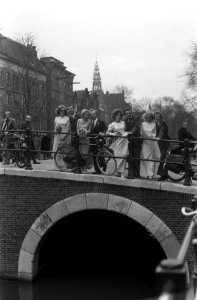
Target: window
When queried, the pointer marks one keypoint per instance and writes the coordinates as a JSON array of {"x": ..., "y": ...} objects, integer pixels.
[
  {"x": 37, "y": 88},
  {"x": 8, "y": 98},
  {"x": 42, "y": 87},
  {"x": 8, "y": 78},
  {"x": 23, "y": 82},
  {"x": 33, "y": 88},
  {"x": 23, "y": 100},
  {"x": 2, "y": 82},
  {"x": 16, "y": 82},
  {"x": 43, "y": 103}
]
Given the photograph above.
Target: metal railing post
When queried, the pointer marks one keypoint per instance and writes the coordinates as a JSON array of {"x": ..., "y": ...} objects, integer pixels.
[
  {"x": 187, "y": 181},
  {"x": 28, "y": 165},
  {"x": 173, "y": 274},
  {"x": 78, "y": 167},
  {"x": 194, "y": 243},
  {"x": 130, "y": 157}
]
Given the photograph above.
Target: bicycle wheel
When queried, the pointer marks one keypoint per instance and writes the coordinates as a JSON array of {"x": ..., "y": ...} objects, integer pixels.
[
  {"x": 176, "y": 177},
  {"x": 21, "y": 159},
  {"x": 65, "y": 159},
  {"x": 106, "y": 162}
]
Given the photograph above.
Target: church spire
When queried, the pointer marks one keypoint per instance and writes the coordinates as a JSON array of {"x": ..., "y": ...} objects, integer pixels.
[{"x": 96, "y": 86}]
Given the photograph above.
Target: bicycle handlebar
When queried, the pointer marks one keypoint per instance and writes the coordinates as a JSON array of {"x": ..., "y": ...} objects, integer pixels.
[{"x": 187, "y": 211}]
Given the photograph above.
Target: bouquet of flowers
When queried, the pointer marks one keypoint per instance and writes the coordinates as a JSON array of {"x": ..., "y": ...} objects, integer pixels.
[
  {"x": 82, "y": 132},
  {"x": 59, "y": 129}
]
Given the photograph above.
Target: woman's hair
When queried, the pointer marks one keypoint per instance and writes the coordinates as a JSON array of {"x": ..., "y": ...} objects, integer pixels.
[
  {"x": 57, "y": 111},
  {"x": 158, "y": 113},
  {"x": 83, "y": 112},
  {"x": 115, "y": 112},
  {"x": 149, "y": 112}
]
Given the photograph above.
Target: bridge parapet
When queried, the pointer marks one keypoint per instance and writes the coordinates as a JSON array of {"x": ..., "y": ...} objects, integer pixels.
[{"x": 30, "y": 198}]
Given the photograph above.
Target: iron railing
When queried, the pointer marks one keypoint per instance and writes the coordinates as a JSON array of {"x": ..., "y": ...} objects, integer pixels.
[{"x": 186, "y": 149}]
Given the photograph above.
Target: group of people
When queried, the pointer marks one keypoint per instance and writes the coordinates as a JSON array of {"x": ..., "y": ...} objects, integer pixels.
[
  {"x": 140, "y": 143},
  {"x": 125, "y": 133},
  {"x": 8, "y": 137},
  {"x": 146, "y": 145},
  {"x": 69, "y": 124},
  {"x": 141, "y": 155}
]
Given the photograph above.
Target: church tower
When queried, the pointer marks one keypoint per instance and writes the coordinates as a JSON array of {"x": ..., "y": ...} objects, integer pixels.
[{"x": 96, "y": 86}]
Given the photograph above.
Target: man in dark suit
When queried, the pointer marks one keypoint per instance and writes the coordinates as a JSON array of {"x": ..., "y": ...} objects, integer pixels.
[
  {"x": 27, "y": 126},
  {"x": 133, "y": 127},
  {"x": 162, "y": 133},
  {"x": 184, "y": 134},
  {"x": 73, "y": 117},
  {"x": 8, "y": 124},
  {"x": 97, "y": 126}
]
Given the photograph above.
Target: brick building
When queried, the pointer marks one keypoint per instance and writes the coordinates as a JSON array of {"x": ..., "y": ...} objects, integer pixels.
[
  {"x": 85, "y": 99},
  {"x": 59, "y": 87},
  {"x": 22, "y": 82},
  {"x": 29, "y": 85}
]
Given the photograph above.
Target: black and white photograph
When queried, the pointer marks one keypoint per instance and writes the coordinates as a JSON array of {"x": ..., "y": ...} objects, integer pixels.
[{"x": 98, "y": 150}]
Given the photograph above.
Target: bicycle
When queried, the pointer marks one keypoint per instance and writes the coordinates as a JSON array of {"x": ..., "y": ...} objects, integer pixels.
[
  {"x": 66, "y": 157},
  {"x": 15, "y": 151},
  {"x": 175, "y": 163}
]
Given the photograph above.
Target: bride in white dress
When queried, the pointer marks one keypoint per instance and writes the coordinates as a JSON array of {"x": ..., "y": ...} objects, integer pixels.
[
  {"x": 61, "y": 124},
  {"x": 120, "y": 145},
  {"x": 150, "y": 149}
]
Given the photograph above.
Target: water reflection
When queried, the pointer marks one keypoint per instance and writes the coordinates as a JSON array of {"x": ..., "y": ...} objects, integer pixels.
[{"x": 78, "y": 288}]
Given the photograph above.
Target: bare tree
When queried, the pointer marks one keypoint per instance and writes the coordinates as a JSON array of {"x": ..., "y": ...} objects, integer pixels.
[
  {"x": 127, "y": 92},
  {"x": 29, "y": 80},
  {"x": 190, "y": 95},
  {"x": 174, "y": 112}
]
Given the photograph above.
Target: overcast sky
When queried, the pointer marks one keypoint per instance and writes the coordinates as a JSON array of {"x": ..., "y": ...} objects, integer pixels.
[{"x": 138, "y": 43}]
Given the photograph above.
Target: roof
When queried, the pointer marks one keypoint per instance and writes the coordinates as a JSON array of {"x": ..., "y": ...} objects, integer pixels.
[
  {"x": 52, "y": 61},
  {"x": 111, "y": 100},
  {"x": 86, "y": 99},
  {"x": 20, "y": 54}
]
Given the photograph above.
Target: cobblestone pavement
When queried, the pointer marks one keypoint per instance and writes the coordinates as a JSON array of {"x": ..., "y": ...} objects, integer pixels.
[{"x": 49, "y": 165}]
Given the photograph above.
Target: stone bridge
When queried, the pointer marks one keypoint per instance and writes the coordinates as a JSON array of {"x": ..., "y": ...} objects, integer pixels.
[{"x": 34, "y": 203}]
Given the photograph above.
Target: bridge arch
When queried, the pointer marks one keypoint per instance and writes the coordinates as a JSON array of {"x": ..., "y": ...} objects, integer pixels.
[{"x": 28, "y": 256}]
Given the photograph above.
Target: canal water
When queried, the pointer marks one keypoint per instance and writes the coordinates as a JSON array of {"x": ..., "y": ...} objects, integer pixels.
[
  {"x": 78, "y": 288},
  {"x": 92, "y": 255}
]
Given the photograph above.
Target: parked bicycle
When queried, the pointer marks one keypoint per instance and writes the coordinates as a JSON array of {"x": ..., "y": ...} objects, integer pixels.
[
  {"x": 175, "y": 163},
  {"x": 66, "y": 157},
  {"x": 16, "y": 149}
]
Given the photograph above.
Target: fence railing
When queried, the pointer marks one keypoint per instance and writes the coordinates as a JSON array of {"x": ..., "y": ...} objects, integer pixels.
[
  {"x": 172, "y": 274},
  {"x": 185, "y": 149}
]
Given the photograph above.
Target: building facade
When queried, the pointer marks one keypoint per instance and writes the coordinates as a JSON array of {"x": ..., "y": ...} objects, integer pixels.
[
  {"x": 22, "y": 83},
  {"x": 29, "y": 85},
  {"x": 59, "y": 87},
  {"x": 85, "y": 99}
]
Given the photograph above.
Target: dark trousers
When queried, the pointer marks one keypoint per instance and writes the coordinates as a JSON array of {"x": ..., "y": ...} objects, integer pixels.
[
  {"x": 94, "y": 150},
  {"x": 134, "y": 164},
  {"x": 32, "y": 147},
  {"x": 161, "y": 170}
]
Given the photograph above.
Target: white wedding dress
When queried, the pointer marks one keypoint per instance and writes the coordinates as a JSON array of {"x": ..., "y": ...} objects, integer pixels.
[
  {"x": 150, "y": 150},
  {"x": 120, "y": 145}
]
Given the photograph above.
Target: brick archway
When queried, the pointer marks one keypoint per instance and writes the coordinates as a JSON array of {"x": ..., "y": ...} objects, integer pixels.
[{"x": 28, "y": 256}]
